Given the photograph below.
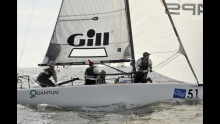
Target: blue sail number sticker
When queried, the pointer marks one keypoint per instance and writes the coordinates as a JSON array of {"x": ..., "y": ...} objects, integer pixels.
[{"x": 179, "y": 93}]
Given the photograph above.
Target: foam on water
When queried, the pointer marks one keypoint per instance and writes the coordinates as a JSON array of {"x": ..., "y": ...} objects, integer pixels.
[
  {"x": 26, "y": 115},
  {"x": 168, "y": 112},
  {"x": 114, "y": 107}
]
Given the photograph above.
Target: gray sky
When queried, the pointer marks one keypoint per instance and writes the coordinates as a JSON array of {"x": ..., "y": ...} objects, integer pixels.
[{"x": 40, "y": 30}]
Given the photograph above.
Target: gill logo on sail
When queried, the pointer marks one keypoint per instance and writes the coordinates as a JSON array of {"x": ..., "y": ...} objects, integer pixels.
[
  {"x": 186, "y": 7},
  {"x": 91, "y": 33}
]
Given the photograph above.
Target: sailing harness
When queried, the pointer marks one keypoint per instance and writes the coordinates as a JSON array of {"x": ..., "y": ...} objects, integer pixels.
[
  {"x": 144, "y": 64},
  {"x": 48, "y": 72},
  {"x": 89, "y": 71}
]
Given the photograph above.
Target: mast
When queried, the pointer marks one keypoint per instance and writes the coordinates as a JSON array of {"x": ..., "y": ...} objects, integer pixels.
[
  {"x": 130, "y": 35},
  {"x": 181, "y": 45}
]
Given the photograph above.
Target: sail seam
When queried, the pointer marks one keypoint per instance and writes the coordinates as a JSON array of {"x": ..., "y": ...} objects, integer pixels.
[
  {"x": 93, "y": 13},
  {"x": 158, "y": 30},
  {"x": 166, "y": 61},
  {"x": 165, "y": 18}
]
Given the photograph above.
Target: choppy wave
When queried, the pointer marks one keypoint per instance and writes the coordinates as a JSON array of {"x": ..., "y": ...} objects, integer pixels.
[{"x": 167, "y": 112}]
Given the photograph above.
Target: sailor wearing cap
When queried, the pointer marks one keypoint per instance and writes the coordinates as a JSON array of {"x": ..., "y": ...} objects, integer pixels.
[{"x": 142, "y": 65}]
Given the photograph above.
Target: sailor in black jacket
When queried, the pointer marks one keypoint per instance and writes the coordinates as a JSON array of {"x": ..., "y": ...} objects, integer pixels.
[
  {"x": 43, "y": 77},
  {"x": 142, "y": 65},
  {"x": 91, "y": 79}
]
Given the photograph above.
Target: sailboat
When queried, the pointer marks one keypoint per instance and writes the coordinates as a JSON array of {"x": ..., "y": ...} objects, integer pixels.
[{"x": 101, "y": 30}]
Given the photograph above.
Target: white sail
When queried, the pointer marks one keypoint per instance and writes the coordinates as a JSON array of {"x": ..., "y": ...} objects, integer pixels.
[
  {"x": 89, "y": 29},
  {"x": 154, "y": 33}
]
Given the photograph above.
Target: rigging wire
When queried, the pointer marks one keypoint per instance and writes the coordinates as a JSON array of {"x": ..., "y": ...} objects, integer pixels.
[
  {"x": 167, "y": 62},
  {"x": 26, "y": 34}
]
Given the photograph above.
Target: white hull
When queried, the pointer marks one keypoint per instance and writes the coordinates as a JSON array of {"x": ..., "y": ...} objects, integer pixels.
[{"x": 107, "y": 94}]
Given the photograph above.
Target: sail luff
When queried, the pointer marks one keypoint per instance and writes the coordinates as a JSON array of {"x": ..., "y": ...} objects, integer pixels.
[
  {"x": 54, "y": 27},
  {"x": 181, "y": 45},
  {"x": 130, "y": 35}
]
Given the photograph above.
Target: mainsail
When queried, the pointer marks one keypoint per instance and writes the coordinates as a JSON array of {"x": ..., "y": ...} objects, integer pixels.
[
  {"x": 154, "y": 33},
  {"x": 89, "y": 29}
]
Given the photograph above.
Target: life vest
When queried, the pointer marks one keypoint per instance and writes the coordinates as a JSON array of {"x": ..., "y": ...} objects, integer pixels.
[
  {"x": 89, "y": 70},
  {"x": 49, "y": 72},
  {"x": 144, "y": 64}
]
